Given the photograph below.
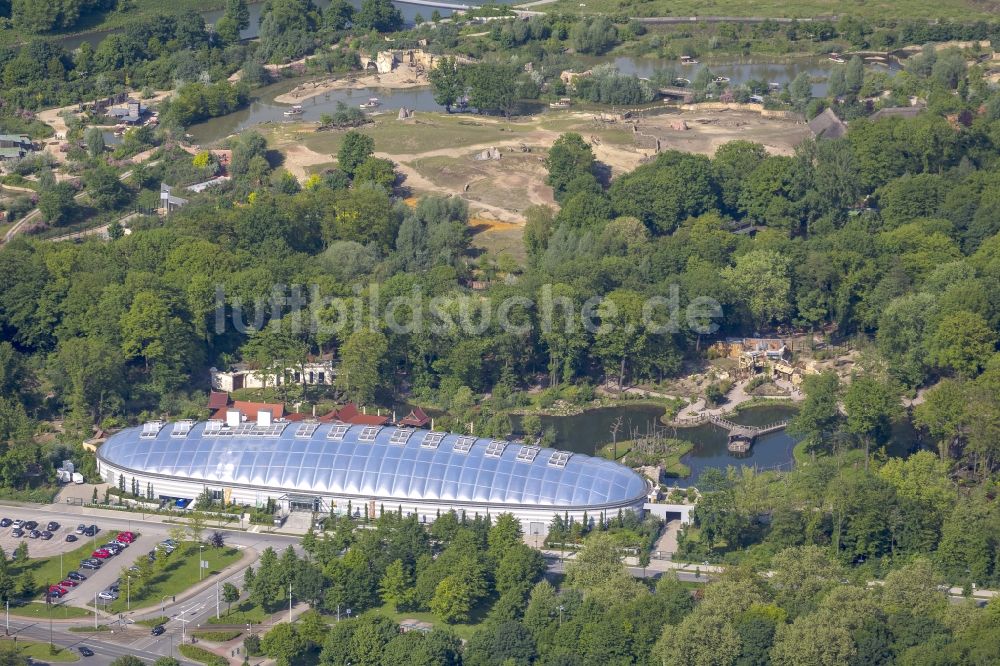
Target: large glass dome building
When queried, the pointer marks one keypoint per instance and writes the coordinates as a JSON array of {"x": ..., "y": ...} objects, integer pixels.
[{"x": 329, "y": 467}]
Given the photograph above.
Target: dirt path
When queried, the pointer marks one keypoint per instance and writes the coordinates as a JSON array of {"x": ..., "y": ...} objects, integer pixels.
[
  {"x": 415, "y": 181},
  {"x": 736, "y": 397}
]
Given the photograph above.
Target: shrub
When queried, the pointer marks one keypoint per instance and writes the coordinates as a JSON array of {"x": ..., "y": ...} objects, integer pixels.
[
  {"x": 204, "y": 656},
  {"x": 218, "y": 636}
]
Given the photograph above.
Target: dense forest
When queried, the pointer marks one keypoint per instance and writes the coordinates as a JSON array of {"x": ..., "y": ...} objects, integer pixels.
[
  {"x": 887, "y": 239},
  {"x": 810, "y": 609}
]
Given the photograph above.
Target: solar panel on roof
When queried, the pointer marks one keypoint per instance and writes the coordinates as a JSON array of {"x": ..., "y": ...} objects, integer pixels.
[
  {"x": 495, "y": 448},
  {"x": 464, "y": 444},
  {"x": 431, "y": 440},
  {"x": 151, "y": 429},
  {"x": 559, "y": 458},
  {"x": 338, "y": 431},
  {"x": 306, "y": 429},
  {"x": 527, "y": 454},
  {"x": 181, "y": 428},
  {"x": 400, "y": 436},
  {"x": 212, "y": 427},
  {"x": 369, "y": 434}
]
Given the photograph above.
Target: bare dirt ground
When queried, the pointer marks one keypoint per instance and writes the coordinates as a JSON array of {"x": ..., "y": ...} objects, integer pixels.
[
  {"x": 400, "y": 78},
  {"x": 707, "y": 130},
  {"x": 434, "y": 154}
]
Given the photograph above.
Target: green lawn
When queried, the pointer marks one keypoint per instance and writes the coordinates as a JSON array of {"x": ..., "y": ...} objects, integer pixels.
[
  {"x": 181, "y": 573},
  {"x": 462, "y": 630},
  {"x": 41, "y": 652},
  {"x": 961, "y": 10},
  {"x": 51, "y": 570},
  {"x": 429, "y": 131},
  {"x": 242, "y": 613},
  {"x": 58, "y": 611}
]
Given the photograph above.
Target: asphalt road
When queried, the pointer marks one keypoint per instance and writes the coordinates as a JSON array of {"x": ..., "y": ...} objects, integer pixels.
[{"x": 186, "y": 614}]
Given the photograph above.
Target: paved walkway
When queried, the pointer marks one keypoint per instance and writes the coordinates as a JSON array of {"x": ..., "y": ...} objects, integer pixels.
[
  {"x": 666, "y": 545},
  {"x": 736, "y": 397}
]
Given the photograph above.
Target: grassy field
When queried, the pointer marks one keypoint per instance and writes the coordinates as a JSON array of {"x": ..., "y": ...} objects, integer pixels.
[
  {"x": 51, "y": 570},
  {"x": 242, "y": 613},
  {"x": 40, "y": 652},
  {"x": 58, "y": 611},
  {"x": 180, "y": 574},
  {"x": 463, "y": 631},
  {"x": 427, "y": 132},
  {"x": 959, "y": 10}
]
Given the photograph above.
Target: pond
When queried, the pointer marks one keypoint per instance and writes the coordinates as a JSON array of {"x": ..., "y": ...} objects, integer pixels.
[
  {"x": 590, "y": 430},
  {"x": 263, "y": 108}
]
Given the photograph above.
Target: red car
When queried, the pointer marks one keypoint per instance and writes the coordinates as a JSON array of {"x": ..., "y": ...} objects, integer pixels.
[
  {"x": 125, "y": 537},
  {"x": 101, "y": 554},
  {"x": 68, "y": 583},
  {"x": 57, "y": 591}
]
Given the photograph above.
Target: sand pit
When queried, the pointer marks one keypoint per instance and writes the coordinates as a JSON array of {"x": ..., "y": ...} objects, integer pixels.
[
  {"x": 707, "y": 130},
  {"x": 401, "y": 78}
]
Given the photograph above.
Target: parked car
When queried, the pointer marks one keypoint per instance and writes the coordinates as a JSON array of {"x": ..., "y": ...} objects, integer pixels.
[
  {"x": 91, "y": 531},
  {"x": 157, "y": 630},
  {"x": 81, "y": 528},
  {"x": 112, "y": 548},
  {"x": 18, "y": 523},
  {"x": 30, "y": 525},
  {"x": 70, "y": 538},
  {"x": 85, "y": 651},
  {"x": 34, "y": 534},
  {"x": 52, "y": 526},
  {"x": 5, "y": 522},
  {"x": 46, "y": 535},
  {"x": 58, "y": 589},
  {"x": 101, "y": 554},
  {"x": 125, "y": 537},
  {"x": 17, "y": 532},
  {"x": 87, "y": 564},
  {"x": 68, "y": 583},
  {"x": 76, "y": 575},
  {"x": 107, "y": 595}
]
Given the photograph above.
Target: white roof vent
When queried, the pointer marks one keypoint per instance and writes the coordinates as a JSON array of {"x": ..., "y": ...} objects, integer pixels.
[
  {"x": 264, "y": 418},
  {"x": 232, "y": 417}
]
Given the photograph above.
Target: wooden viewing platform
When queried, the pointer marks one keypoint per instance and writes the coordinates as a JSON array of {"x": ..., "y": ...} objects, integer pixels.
[{"x": 742, "y": 437}]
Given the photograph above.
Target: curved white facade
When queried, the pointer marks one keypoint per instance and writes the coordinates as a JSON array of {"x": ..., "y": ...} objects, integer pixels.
[{"x": 328, "y": 465}]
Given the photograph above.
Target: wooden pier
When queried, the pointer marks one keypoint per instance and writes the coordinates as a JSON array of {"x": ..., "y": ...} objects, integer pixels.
[{"x": 742, "y": 437}]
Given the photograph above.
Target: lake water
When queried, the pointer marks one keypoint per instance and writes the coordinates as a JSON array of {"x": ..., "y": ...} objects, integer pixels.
[
  {"x": 264, "y": 109},
  {"x": 589, "y": 431}
]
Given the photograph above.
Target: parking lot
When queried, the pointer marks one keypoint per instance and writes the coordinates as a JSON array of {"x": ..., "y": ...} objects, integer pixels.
[
  {"x": 97, "y": 580},
  {"x": 39, "y": 547}
]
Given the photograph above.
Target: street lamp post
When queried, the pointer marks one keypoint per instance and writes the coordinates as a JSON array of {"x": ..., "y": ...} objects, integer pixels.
[
  {"x": 561, "y": 609},
  {"x": 128, "y": 592},
  {"x": 95, "y": 610},
  {"x": 201, "y": 552},
  {"x": 289, "y": 603},
  {"x": 162, "y": 607}
]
